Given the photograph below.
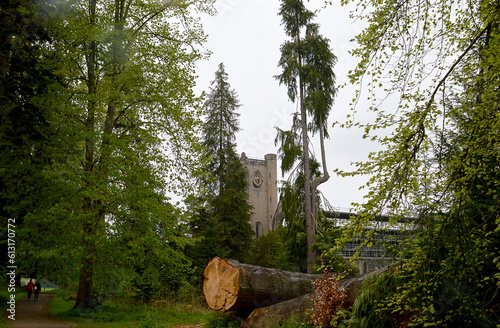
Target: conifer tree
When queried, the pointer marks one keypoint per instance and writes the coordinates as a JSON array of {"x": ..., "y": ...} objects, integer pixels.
[
  {"x": 227, "y": 199},
  {"x": 220, "y": 128},
  {"x": 307, "y": 63}
]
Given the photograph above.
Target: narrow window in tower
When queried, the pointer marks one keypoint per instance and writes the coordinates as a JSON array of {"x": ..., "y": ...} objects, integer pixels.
[{"x": 259, "y": 229}]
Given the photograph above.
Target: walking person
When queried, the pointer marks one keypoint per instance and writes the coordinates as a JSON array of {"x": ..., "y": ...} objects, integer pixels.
[
  {"x": 38, "y": 287},
  {"x": 29, "y": 288}
]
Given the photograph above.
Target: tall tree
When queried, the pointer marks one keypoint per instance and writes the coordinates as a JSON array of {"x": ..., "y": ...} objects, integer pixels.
[
  {"x": 320, "y": 93},
  {"x": 233, "y": 212},
  {"x": 440, "y": 165},
  {"x": 307, "y": 72},
  {"x": 31, "y": 137},
  {"x": 125, "y": 124},
  {"x": 221, "y": 126},
  {"x": 227, "y": 207}
]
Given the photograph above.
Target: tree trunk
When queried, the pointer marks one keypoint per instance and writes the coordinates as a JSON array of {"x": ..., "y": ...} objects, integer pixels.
[
  {"x": 230, "y": 285},
  {"x": 275, "y": 315},
  {"x": 324, "y": 178},
  {"x": 83, "y": 297},
  {"x": 297, "y": 308},
  {"x": 311, "y": 258}
]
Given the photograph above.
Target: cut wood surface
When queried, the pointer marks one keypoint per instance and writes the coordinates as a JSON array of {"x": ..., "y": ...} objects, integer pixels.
[{"x": 230, "y": 285}]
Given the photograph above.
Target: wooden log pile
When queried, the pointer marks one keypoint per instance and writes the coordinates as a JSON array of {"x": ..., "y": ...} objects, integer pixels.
[{"x": 263, "y": 295}]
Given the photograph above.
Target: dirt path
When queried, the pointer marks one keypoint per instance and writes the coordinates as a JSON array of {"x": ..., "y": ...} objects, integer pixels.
[{"x": 36, "y": 314}]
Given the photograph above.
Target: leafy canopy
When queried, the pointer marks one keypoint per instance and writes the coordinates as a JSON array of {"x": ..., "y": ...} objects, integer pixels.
[
  {"x": 432, "y": 75},
  {"x": 117, "y": 122}
]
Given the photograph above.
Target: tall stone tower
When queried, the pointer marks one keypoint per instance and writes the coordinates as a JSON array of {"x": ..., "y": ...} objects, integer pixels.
[{"x": 262, "y": 190}]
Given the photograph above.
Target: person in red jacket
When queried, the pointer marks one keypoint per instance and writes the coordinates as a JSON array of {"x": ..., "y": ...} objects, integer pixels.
[{"x": 29, "y": 288}]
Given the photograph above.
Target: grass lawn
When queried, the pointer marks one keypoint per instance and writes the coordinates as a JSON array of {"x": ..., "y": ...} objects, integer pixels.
[
  {"x": 123, "y": 313},
  {"x": 161, "y": 314}
]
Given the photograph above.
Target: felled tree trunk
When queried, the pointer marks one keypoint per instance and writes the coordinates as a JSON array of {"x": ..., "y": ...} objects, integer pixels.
[
  {"x": 297, "y": 308},
  {"x": 275, "y": 315},
  {"x": 230, "y": 285}
]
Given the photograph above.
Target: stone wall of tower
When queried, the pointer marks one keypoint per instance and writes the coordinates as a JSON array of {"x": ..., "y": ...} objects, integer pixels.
[{"x": 262, "y": 190}]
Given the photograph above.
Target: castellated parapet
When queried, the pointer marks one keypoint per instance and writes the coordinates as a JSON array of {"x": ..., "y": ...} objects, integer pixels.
[{"x": 262, "y": 190}]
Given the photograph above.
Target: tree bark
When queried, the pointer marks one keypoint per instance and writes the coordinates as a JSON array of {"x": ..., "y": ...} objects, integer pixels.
[
  {"x": 311, "y": 258},
  {"x": 324, "y": 178},
  {"x": 83, "y": 297},
  {"x": 297, "y": 308},
  {"x": 230, "y": 285},
  {"x": 275, "y": 315}
]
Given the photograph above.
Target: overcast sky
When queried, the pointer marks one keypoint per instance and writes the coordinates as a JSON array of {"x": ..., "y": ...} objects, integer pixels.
[{"x": 246, "y": 36}]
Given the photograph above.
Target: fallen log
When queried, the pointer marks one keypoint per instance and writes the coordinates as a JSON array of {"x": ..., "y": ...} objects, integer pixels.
[
  {"x": 297, "y": 308},
  {"x": 275, "y": 315},
  {"x": 230, "y": 285}
]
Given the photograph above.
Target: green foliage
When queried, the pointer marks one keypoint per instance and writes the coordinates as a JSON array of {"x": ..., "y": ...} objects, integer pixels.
[
  {"x": 222, "y": 320},
  {"x": 293, "y": 233},
  {"x": 266, "y": 251},
  {"x": 307, "y": 64},
  {"x": 220, "y": 128},
  {"x": 439, "y": 163},
  {"x": 366, "y": 310},
  {"x": 292, "y": 323},
  {"x": 233, "y": 213},
  {"x": 33, "y": 144},
  {"x": 294, "y": 230},
  {"x": 206, "y": 245},
  {"x": 220, "y": 216},
  {"x": 4, "y": 298},
  {"x": 102, "y": 313},
  {"x": 99, "y": 121},
  {"x": 398, "y": 299},
  {"x": 331, "y": 260},
  {"x": 341, "y": 319}
]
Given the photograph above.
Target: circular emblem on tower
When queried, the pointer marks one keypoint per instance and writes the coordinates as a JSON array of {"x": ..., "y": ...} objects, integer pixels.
[{"x": 257, "y": 180}]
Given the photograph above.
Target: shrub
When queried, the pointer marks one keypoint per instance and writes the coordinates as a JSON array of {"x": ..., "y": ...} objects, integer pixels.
[
  {"x": 292, "y": 323},
  {"x": 3, "y": 300},
  {"x": 328, "y": 301},
  {"x": 333, "y": 262},
  {"x": 367, "y": 310},
  {"x": 265, "y": 251},
  {"x": 222, "y": 320}
]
